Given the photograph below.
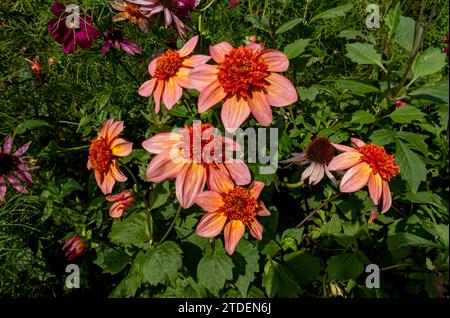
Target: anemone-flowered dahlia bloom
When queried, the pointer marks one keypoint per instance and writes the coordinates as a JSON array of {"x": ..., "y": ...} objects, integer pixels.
[
  {"x": 130, "y": 12},
  {"x": 247, "y": 80},
  {"x": 122, "y": 201},
  {"x": 115, "y": 38},
  {"x": 194, "y": 155},
  {"x": 71, "y": 30},
  {"x": 103, "y": 155},
  {"x": 366, "y": 164},
  {"x": 170, "y": 74},
  {"x": 13, "y": 167},
  {"x": 318, "y": 154},
  {"x": 231, "y": 208}
]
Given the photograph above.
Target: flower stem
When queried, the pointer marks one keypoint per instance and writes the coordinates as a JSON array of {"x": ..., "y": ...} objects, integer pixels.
[
  {"x": 171, "y": 225},
  {"x": 317, "y": 209},
  {"x": 292, "y": 185}
]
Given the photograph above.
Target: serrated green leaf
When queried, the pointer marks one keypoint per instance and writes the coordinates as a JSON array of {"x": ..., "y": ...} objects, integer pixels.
[
  {"x": 425, "y": 197},
  {"x": 339, "y": 11},
  {"x": 412, "y": 167},
  {"x": 344, "y": 267},
  {"x": 112, "y": 261},
  {"x": 392, "y": 19},
  {"x": 133, "y": 230},
  {"x": 430, "y": 61},
  {"x": 437, "y": 91},
  {"x": 308, "y": 93},
  {"x": 408, "y": 239},
  {"x": 362, "y": 117},
  {"x": 279, "y": 281},
  {"x": 213, "y": 270},
  {"x": 406, "y": 114},
  {"x": 296, "y": 48},
  {"x": 245, "y": 259},
  {"x": 405, "y": 31},
  {"x": 415, "y": 141},
  {"x": 304, "y": 266},
  {"x": 382, "y": 137},
  {"x": 356, "y": 87},
  {"x": 363, "y": 53},
  {"x": 127, "y": 287},
  {"x": 288, "y": 25}
]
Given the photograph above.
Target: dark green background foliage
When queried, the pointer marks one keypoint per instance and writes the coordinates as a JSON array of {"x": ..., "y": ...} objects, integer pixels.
[{"x": 347, "y": 78}]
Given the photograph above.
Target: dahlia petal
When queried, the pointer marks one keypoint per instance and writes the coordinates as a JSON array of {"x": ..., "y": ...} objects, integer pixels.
[
  {"x": 196, "y": 60},
  {"x": 7, "y": 146},
  {"x": 239, "y": 172},
  {"x": 121, "y": 16},
  {"x": 219, "y": 51},
  {"x": 164, "y": 166},
  {"x": 98, "y": 178},
  {"x": 280, "y": 91},
  {"x": 116, "y": 173},
  {"x": 189, "y": 183},
  {"x": 210, "y": 96},
  {"x": 188, "y": 47},
  {"x": 234, "y": 230},
  {"x": 203, "y": 75},
  {"x": 116, "y": 210},
  {"x": 275, "y": 60},
  {"x": 260, "y": 108},
  {"x": 255, "y": 189},
  {"x": 172, "y": 93},
  {"x": 16, "y": 184},
  {"x": 255, "y": 47},
  {"x": 356, "y": 177},
  {"x": 114, "y": 197},
  {"x": 22, "y": 149},
  {"x": 343, "y": 148},
  {"x": 211, "y": 224},
  {"x": 317, "y": 174},
  {"x": 256, "y": 229},
  {"x": 387, "y": 197},
  {"x": 121, "y": 148},
  {"x": 113, "y": 131},
  {"x": 182, "y": 77},
  {"x": 308, "y": 171},
  {"x": 262, "y": 211},
  {"x": 234, "y": 112},
  {"x": 157, "y": 95},
  {"x": 210, "y": 201},
  {"x": 2, "y": 188},
  {"x": 161, "y": 142},
  {"x": 152, "y": 66},
  {"x": 108, "y": 183},
  {"x": 147, "y": 87},
  {"x": 219, "y": 181},
  {"x": 357, "y": 143},
  {"x": 344, "y": 160},
  {"x": 375, "y": 187},
  {"x": 89, "y": 164}
]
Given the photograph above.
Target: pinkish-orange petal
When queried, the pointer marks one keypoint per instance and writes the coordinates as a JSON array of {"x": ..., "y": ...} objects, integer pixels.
[
  {"x": 147, "y": 88},
  {"x": 113, "y": 131},
  {"x": 262, "y": 210},
  {"x": 387, "y": 197},
  {"x": 239, "y": 172},
  {"x": 219, "y": 180},
  {"x": 356, "y": 177},
  {"x": 255, "y": 189},
  {"x": 256, "y": 229},
  {"x": 210, "y": 96},
  {"x": 260, "y": 108},
  {"x": 189, "y": 183},
  {"x": 164, "y": 166},
  {"x": 275, "y": 60},
  {"x": 196, "y": 60},
  {"x": 172, "y": 93},
  {"x": 116, "y": 210},
  {"x": 210, "y": 201},
  {"x": 203, "y": 75},
  {"x": 357, "y": 143},
  {"x": 89, "y": 164},
  {"x": 182, "y": 77},
  {"x": 343, "y": 148},
  {"x": 152, "y": 66},
  {"x": 121, "y": 148},
  {"x": 188, "y": 47},
  {"x": 98, "y": 178},
  {"x": 108, "y": 183},
  {"x": 255, "y": 47},
  {"x": 116, "y": 173},
  {"x": 211, "y": 224},
  {"x": 219, "y": 51},
  {"x": 375, "y": 187},
  {"x": 235, "y": 111},
  {"x": 344, "y": 160},
  {"x": 280, "y": 91},
  {"x": 157, "y": 95},
  {"x": 161, "y": 142},
  {"x": 234, "y": 230}
]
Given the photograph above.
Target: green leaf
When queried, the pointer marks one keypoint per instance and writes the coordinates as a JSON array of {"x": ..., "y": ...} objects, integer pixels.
[
  {"x": 308, "y": 93},
  {"x": 71, "y": 185},
  {"x": 279, "y": 281},
  {"x": 407, "y": 239},
  {"x": 112, "y": 261},
  {"x": 415, "y": 141},
  {"x": 133, "y": 230},
  {"x": 296, "y": 48},
  {"x": 437, "y": 91},
  {"x": 246, "y": 262},
  {"x": 336, "y": 12},
  {"x": 351, "y": 34},
  {"x": 363, "y": 53},
  {"x": 362, "y": 117},
  {"x": 356, "y": 87},
  {"x": 404, "y": 33},
  {"x": 430, "y": 61},
  {"x": 31, "y": 124},
  {"x": 412, "y": 167},
  {"x": 304, "y": 266},
  {"x": 159, "y": 195},
  {"x": 425, "y": 198},
  {"x": 128, "y": 286},
  {"x": 288, "y": 25},
  {"x": 213, "y": 270},
  {"x": 382, "y": 137},
  {"x": 297, "y": 234},
  {"x": 344, "y": 267},
  {"x": 160, "y": 265},
  {"x": 406, "y": 114},
  {"x": 332, "y": 227},
  {"x": 392, "y": 19}
]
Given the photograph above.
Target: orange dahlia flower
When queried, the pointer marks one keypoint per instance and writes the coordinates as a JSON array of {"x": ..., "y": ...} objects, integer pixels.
[
  {"x": 231, "y": 208},
  {"x": 247, "y": 80},
  {"x": 170, "y": 74},
  {"x": 366, "y": 164},
  {"x": 195, "y": 156},
  {"x": 122, "y": 201},
  {"x": 103, "y": 153}
]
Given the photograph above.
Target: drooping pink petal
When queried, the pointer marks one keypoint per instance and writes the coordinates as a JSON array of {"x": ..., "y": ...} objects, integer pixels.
[
  {"x": 22, "y": 149},
  {"x": 308, "y": 171},
  {"x": 188, "y": 47},
  {"x": 255, "y": 189},
  {"x": 275, "y": 60},
  {"x": 116, "y": 173},
  {"x": 164, "y": 166},
  {"x": 260, "y": 108},
  {"x": 210, "y": 96},
  {"x": 196, "y": 60},
  {"x": 262, "y": 211},
  {"x": 161, "y": 142},
  {"x": 210, "y": 201},
  {"x": 357, "y": 143},
  {"x": 219, "y": 180},
  {"x": 7, "y": 145},
  {"x": 167, "y": 17},
  {"x": 108, "y": 183},
  {"x": 147, "y": 87},
  {"x": 211, "y": 224},
  {"x": 203, "y": 75},
  {"x": 345, "y": 160},
  {"x": 24, "y": 176},
  {"x": 2, "y": 188},
  {"x": 387, "y": 198},
  {"x": 234, "y": 230},
  {"x": 219, "y": 51},
  {"x": 189, "y": 183},
  {"x": 239, "y": 172},
  {"x": 330, "y": 175},
  {"x": 157, "y": 95},
  {"x": 152, "y": 66},
  {"x": 280, "y": 91},
  {"x": 256, "y": 229},
  {"x": 16, "y": 184},
  {"x": 375, "y": 187},
  {"x": 116, "y": 210},
  {"x": 343, "y": 148},
  {"x": 356, "y": 177},
  {"x": 121, "y": 148},
  {"x": 172, "y": 93},
  {"x": 234, "y": 112},
  {"x": 317, "y": 174}
]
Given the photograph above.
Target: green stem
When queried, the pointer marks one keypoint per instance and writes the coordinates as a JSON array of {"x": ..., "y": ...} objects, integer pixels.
[
  {"x": 317, "y": 209},
  {"x": 209, "y": 4},
  {"x": 171, "y": 225},
  {"x": 292, "y": 185}
]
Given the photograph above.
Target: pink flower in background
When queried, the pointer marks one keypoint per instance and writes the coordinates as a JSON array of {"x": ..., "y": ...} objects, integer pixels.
[
  {"x": 399, "y": 103},
  {"x": 130, "y": 12},
  {"x": 115, "y": 38},
  {"x": 13, "y": 167},
  {"x": 233, "y": 3},
  {"x": 446, "y": 41},
  {"x": 122, "y": 201},
  {"x": 185, "y": 7},
  {"x": 366, "y": 164},
  {"x": 170, "y": 74},
  {"x": 247, "y": 80},
  {"x": 71, "y": 30},
  {"x": 75, "y": 247}
]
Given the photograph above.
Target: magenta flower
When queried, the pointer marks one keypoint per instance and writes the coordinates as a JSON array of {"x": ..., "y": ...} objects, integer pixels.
[
  {"x": 185, "y": 7},
  {"x": 13, "y": 167},
  {"x": 74, "y": 247},
  {"x": 115, "y": 37},
  {"x": 71, "y": 28},
  {"x": 399, "y": 103}
]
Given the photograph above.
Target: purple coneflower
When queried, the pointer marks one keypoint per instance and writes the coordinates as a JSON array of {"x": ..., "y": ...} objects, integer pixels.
[
  {"x": 74, "y": 247},
  {"x": 13, "y": 167},
  {"x": 71, "y": 28},
  {"x": 318, "y": 154},
  {"x": 115, "y": 37}
]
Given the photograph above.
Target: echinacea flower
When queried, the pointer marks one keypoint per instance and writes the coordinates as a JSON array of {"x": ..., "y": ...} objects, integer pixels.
[
  {"x": 115, "y": 38},
  {"x": 185, "y": 7},
  {"x": 122, "y": 201},
  {"x": 71, "y": 30},
  {"x": 13, "y": 167},
  {"x": 366, "y": 164},
  {"x": 130, "y": 12},
  {"x": 103, "y": 155},
  {"x": 231, "y": 208},
  {"x": 195, "y": 156},
  {"x": 247, "y": 80},
  {"x": 318, "y": 154},
  {"x": 75, "y": 247},
  {"x": 170, "y": 74}
]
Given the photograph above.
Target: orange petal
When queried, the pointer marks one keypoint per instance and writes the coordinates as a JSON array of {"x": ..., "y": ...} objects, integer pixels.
[
  {"x": 239, "y": 172},
  {"x": 116, "y": 210},
  {"x": 275, "y": 60},
  {"x": 113, "y": 131},
  {"x": 343, "y": 148},
  {"x": 196, "y": 60},
  {"x": 161, "y": 142},
  {"x": 262, "y": 211},
  {"x": 121, "y": 148},
  {"x": 210, "y": 201},
  {"x": 147, "y": 88},
  {"x": 234, "y": 230},
  {"x": 108, "y": 183},
  {"x": 211, "y": 224},
  {"x": 219, "y": 51},
  {"x": 260, "y": 108},
  {"x": 105, "y": 128},
  {"x": 203, "y": 75},
  {"x": 152, "y": 66},
  {"x": 219, "y": 180},
  {"x": 256, "y": 188},
  {"x": 387, "y": 198},
  {"x": 280, "y": 91},
  {"x": 116, "y": 173},
  {"x": 188, "y": 47},
  {"x": 164, "y": 166},
  {"x": 375, "y": 187},
  {"x": 256, "y": 229},
  {"x": 121, "y": 16},
  {"x": 189, "y": 183},
  {"x": 182, "y": 77},
  {"x": 210, "y": 96},
  {"x": 172, "y": 93},
  {"x": 345, "y": 160},
  {"x": 98, "y": 178},
  {"x": 89, "y": 164},
  {"x": 234, "y": 112},
  {"x": 255, "y": 47},
  {"x": 157, "y": 95},
  {"x": 356, "y": 177}
]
